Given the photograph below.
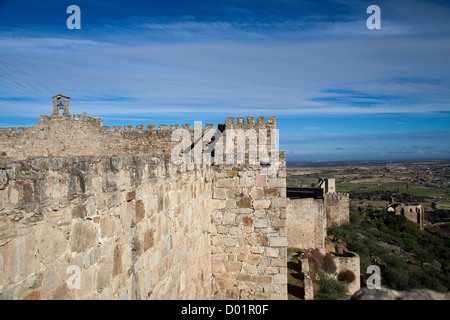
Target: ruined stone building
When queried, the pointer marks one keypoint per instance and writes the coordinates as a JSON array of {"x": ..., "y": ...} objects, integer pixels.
[
  {"x": 93, "y": 212},
  {"x": 412, "y": 211}
]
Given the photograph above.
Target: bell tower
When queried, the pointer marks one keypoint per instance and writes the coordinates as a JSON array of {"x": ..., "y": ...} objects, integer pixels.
[{"x": 60, "y": 102}]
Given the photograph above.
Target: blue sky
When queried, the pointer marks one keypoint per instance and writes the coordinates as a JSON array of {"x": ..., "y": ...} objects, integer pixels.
[{"x": 339, "y": 91}]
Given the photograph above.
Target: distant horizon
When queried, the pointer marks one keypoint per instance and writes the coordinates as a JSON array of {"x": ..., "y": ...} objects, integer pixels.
[
  {"x": 290, "y": 162},
  {"x": 338, "y": 89}
]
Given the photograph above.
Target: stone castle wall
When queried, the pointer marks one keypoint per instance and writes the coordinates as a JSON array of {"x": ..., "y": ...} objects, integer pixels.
[
  {"x": 74, "y": 194},
  {"x": 249, "y": 234},
  {"x": 306, "y": 223},
  {"x": 309, "y": 218},
  {"x": 81, "y": 135},
  {"x": 415, "y": 213},
  {"x": 337, "y": 208},
  {"x": 137, "y": 227}
]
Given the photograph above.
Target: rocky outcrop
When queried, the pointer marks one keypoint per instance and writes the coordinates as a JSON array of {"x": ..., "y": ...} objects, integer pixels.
[{"x": 389, "y": 294}]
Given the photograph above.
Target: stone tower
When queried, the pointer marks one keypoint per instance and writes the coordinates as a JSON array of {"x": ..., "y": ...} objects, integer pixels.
[{"x": 328, "y": 185}]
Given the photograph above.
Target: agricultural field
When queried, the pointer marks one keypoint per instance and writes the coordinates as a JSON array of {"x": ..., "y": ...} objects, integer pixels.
[{"x": 376, "y": 183}]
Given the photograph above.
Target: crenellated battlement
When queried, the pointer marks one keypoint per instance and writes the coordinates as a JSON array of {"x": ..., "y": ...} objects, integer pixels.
[
  {"x": 68, "y": 117},
  {"x": 250, "y": 123},
  {"x": 80, "y": 134},
  {"x": 230, "y": 123},
  {"x": 12, "y": 131}
]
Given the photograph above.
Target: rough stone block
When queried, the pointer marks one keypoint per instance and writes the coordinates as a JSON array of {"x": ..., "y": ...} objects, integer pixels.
[
  {"x": 261, "y": 204},
  {"x": 34, "y": 295},
  {"x": 233, "y": 267},
  {"x": 228, "y": 218},
  {"x": 222, "y": 229},
  {"x": 235, "y": 192},
  {"x": 149, "y": 239},
  {"x": 231, "y": 203},
  {"x": 262, "y": 279},
  {"x": 232, "y": 173},
  {"x": 91, "y": 210},
  {"x": 247, "y": 220},
  {"x": 247, "y": 181},
  {"x": 131, "y": 195},
  {"x": 218, "y": 204},
  {"x": 79, "y": 212},
  {"x": 261, "y": 296},
  {"x": 107, "y": 227},
  {"x": 262, "y": 239},
  {"x": 278, "y": 242},
  {"x": 278, "y": 296},
  {"x": 278, "y": 262},
  {"x": 260, "y": 180},
  {"x": 276, "y": 183},
  {"x": 261, "y": 223},
  {"x": 271, "y": 192},
  {"x": 220, "y": 193},
  {"x": 227, "y": 183},
  {"x": 280, "y": 279},
  {"x": 257, "y": 249},
  {"x": 103, "y": 277},
  {"x": 139, "y": 211},
  {"x": 244, "y": 202},
  {"x": 117, "y": 261},
  {"x": 254, "y": 259},
  {"x": 229, "y": 242},
  {"x": 257, "y": 193},
  {"x": 278, "y": 203},
  {"x": 83, "y": 236},
  {"x": 277, "y": 224},
  {"x": 218, "y": 266},
  {"x": 52, "y": 242}
]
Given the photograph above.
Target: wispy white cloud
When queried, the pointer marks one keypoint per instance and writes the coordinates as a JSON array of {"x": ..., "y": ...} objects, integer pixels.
[
  {"x": 286, "y": 77},
  {"x": 13, "y": 42},
  {"x": 320, "y": 64}
]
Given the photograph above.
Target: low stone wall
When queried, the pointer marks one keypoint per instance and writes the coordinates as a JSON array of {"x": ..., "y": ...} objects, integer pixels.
[
  {"x": 307, "y": 282},
  {"x": 350, "y": 262}
]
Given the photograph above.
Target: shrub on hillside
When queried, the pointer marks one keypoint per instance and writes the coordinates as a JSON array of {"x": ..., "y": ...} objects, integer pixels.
[
  {"x": 331, "y": 286},
  {"x": 328, "y": 264},
  {"x": 398, "y": 274},
  {"x": 346, "y": 276},
  {"x": 315, "y": 259}
]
